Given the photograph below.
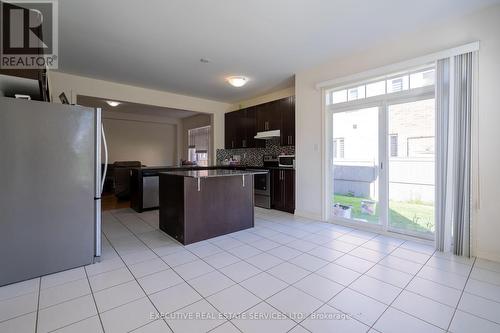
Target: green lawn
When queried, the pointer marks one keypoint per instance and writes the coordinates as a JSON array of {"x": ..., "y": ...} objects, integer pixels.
[{"x": 413, "y": 216}]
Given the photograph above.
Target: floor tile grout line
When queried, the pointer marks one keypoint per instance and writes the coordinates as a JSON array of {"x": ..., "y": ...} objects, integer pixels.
[
  {"x": 68, "y": 300},
  {"x": 345, "y": 287},
  {"x": 238, "y": 283},
  {"x": 187, "y": 281},
  {"x": 461, "y": 295},
  {"x": 327, "y": 302},
  {"x": 140, "y": 286},
  {"x": 480, "y": 296},
  {"x": 67, "y": 325},
  {"x": 423, "y": 265},
  {"x": 402, "y": 290},
  {"x": 202, "y": 297},
  {"x": 38, "y": 304},
  {"x": 17, "y": 296},
  {"x": 18, "y": 316},
  {"x": 93, "y": 298},
  {"x": 356, "y": 246}
]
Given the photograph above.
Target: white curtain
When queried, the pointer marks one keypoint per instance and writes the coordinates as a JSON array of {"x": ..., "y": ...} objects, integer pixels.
[
  {"x": 443, "y": 198},
  {"x": 455, "y": 84}
]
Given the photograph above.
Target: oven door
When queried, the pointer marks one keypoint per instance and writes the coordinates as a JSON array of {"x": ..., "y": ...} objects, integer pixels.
[{"x": 262, "y": 184}]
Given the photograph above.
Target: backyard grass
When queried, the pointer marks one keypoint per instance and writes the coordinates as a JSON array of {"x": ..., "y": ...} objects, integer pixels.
[{"x": 414, "y": 216}]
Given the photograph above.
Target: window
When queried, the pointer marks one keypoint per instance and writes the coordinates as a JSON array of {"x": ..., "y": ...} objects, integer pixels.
[
  {"x": 387, "y": 175},
  {"x": 338, "y": 148},
  {"x": 396, "y": 83},
  {"x": 356, "y": 93},
  {"x": 339, "y": 96},
  {"x": 393, "y": 145},
  {"x": 375, "y": 89},
  {"x": 199, "y": 145},
  {"x": 422, "y": 79}
]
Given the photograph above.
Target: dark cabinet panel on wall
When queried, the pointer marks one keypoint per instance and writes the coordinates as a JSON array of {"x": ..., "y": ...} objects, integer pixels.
[
  {"x": 287, "y": 108},
  {"x": 240, "y": 129},
  {"x": 230, "y": 123},
  {"x": 241, "y": 126},
  {"x": 283, "y": 190},
  {"x": 250, "y": 129},
  {"x": 269, "y": 116}
]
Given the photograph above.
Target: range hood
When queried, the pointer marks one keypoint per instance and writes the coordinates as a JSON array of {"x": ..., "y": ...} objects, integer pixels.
[{"x": 267, "y": 135}]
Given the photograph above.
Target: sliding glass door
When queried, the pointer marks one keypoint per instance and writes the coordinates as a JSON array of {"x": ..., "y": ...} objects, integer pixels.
[
  {"x": 411, "y": 168},
  {"x": 355, "y": 152},
  {"x": 383, "y": 165}
]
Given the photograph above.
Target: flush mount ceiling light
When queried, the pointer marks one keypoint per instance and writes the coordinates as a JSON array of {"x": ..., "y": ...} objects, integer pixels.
[
  {"x": 237, "y": 81},
  {"x": 113, "y": 103}
]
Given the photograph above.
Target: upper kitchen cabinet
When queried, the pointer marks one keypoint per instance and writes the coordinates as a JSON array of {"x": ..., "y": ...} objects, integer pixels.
[
  {"x": 240, "y": 129},
  {"x": 250, "y": 129},
  {"x": 232, "y": 134},
  {"x": 241, "y": 126},
  {"x": 287, "y": 132},
  {"x": 269, "y": 116}
]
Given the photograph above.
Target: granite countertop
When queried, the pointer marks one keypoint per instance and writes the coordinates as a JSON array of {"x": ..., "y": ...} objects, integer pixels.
[{"x": 212, "y": 173}]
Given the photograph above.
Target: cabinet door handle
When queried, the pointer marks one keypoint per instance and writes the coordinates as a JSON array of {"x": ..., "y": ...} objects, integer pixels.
[
  {"x": 244, "y": 143},
  {"x": 232, "y": 144}
]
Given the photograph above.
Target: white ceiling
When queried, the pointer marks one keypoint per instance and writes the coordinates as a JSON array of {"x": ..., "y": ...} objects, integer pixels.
[
  {"x": 158, "y": 43},
  {"x": 134, "y": 108}
]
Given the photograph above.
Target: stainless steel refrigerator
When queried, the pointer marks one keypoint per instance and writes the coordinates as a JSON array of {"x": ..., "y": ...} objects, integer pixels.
[{"x": 50, "y": 188}]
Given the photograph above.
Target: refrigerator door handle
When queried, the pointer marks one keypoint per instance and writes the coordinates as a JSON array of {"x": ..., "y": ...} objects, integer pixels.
[
  {"x": 99, "y": 180},
  {"x": 105, "y": 157}
]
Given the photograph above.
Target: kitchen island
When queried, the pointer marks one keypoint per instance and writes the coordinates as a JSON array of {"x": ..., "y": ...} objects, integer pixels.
[
  {"x": 200, "y": 204},
  {"x": 144, "y": 183}
]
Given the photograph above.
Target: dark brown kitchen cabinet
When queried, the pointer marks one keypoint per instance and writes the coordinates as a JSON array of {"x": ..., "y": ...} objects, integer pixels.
[
  {"x": 231, "y": 134},
  {"x": 287, "y": 133},
  {"x": 240, "y": 129},
  {"x": 269, "y": 116},
  {"x": 241, "y": 126},
  {"x": 283, "y": 190},
  {"x": 250, "y": 129}
]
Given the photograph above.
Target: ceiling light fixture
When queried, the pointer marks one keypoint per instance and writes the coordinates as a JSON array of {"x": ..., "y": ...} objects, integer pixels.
[
  {"x": 113, "y": 103},
  {"x": 237, "y": 81}
]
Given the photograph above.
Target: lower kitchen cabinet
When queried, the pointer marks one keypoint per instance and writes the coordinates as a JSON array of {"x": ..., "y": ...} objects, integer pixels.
[{"x": 283, "y": 190}]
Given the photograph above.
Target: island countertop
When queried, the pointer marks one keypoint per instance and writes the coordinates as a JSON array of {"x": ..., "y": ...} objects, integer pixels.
[{"x": 213, "y": 173}]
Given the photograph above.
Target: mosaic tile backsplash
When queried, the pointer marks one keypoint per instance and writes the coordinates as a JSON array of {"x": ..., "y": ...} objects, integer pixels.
[{"x": 253, "y": 156}]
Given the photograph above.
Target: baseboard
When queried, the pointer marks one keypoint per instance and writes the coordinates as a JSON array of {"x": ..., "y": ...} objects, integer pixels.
[
  {"x": 487, "y": 255},
  {"x": 308, "y": 215}
]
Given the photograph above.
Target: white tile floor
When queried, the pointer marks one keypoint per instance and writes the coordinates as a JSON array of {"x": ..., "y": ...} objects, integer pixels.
[{"x": 287, "y": 274}]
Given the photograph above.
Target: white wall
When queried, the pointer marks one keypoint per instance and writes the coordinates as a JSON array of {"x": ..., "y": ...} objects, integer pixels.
[
  {"x": 287, "y": 92},
  {"x": 483, "y": 26},
  {"x": 74, "y": 85},
  {"x": 152, "y": 143}
]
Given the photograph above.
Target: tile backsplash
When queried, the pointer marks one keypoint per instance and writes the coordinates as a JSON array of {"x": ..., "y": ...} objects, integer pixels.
[{"x": 253, "y": 156}]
